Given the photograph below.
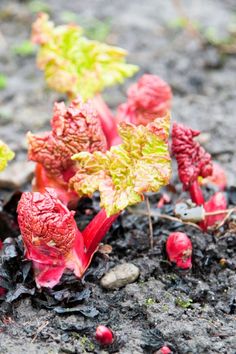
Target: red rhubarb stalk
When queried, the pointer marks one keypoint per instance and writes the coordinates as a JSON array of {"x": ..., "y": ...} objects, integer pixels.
[
  {"x": 196, "y": 193},
  {"x": 96, "y": 229},
  {"x": 107, "y": 120}
]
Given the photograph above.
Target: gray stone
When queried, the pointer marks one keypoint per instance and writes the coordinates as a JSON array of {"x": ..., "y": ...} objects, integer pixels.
[
  {"x": 120, "y": 276},
  {"x": 17, "y": 174}
]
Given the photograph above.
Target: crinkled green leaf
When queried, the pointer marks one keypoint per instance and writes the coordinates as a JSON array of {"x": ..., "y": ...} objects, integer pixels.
[
  {"x": 76, "y": 65},
  {"x": 6, "y": 154},
  {"x": 122, "y": 174}
]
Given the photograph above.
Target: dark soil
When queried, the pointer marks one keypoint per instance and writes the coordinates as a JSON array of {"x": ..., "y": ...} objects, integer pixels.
[{"x": 191, "y": 311}]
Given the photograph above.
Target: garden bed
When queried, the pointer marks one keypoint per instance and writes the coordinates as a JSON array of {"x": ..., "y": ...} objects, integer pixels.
[{"x": 191, "y": 311}]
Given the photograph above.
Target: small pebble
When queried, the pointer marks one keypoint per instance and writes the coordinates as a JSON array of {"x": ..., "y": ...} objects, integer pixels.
[{"x": 120, "y": 276}]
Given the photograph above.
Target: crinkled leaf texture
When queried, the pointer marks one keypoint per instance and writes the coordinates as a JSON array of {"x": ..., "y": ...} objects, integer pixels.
[
  {"x": 148, "y": 99},
  {"x": 6, "y": 154},
  {"x": 122, "y": 174},
  {"x": 74, "y": 129},
  {"x": 193, "y": 161},
  {"x": 74, "y": 64},
  {"x": 51, "y": 237}
]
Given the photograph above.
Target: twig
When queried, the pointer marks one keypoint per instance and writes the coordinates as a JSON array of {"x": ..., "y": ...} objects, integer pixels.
[
  {"x": 43, "y": 325},
  {"x": 149, "y": 222},
  {"x": 155, "y": 213},
  {"x": 221, "y": 212},
  {"x": 164, "y": 216},
  {"x": 229, "y": 212}
]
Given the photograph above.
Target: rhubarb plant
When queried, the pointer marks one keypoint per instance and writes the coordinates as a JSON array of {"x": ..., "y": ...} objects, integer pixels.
[
  {"x": 194, "y": 163},
  {"x": 74, "y": 129},
  {"x": 122, "y": 174}
]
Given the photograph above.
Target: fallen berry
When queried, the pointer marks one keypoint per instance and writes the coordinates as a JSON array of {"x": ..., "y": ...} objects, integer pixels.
[
  {"x": 165, "y": 350},
  {"x": 104, "y": 335},
  {"x": 179, "y": 249}
]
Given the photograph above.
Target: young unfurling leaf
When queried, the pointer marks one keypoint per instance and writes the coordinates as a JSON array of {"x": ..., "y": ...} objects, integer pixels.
[
  {"x": 122, "y": 174},
  {"x": 74, "y": 64}
]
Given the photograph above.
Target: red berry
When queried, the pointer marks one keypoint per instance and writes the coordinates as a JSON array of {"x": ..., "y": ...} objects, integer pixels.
[
  {"x": 165, "y": 350},
  {"x": 104, "y": 335},
  {"x": 179, "y": 249}
]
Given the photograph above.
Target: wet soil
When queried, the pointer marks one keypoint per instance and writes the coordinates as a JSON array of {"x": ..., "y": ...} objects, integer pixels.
[{"x": 193, "y": 311}]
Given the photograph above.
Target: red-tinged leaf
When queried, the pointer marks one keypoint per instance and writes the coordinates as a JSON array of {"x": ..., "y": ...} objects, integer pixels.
[
  {"x": 179, "y": 249},
  {"x": 50, "y": 234},
  {"x": 44, "y": 220},
  {"x": 47, "y": 275},
  {"x": 193, "y": 161},
  {"x": 148, "y": 99},
  {"x": 74, "y": 129},
  {"x": 52, "y": 239},
  {"x": 216, "y": 202}
]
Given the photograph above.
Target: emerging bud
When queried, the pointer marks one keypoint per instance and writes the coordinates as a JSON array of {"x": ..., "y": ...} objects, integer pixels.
[
  {"x": 179, "y": 249},
  {"x": 193, "y": 161},
  {"x": 148, "y": 99},
  {"x": 104, "y": 335},
  {"x": 51, "y": 237}
]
